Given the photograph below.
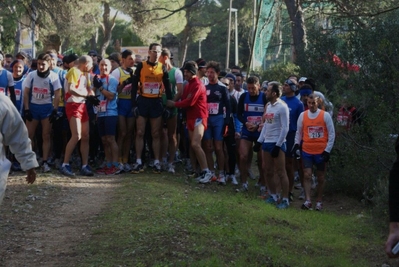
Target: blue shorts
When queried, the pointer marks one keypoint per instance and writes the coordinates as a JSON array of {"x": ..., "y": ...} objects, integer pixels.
[
  {"x": 125, "y": 108},
  {"x": 215, "y": 128},
  {"x": 40, "y": 112},
  {"x": 290, "y": 140},
  {"x": 268, "y": 147},
  {"x": 308, "y": 160},
  {"x": 107, "y": 125},
  {"x": 249, "y": 136}
]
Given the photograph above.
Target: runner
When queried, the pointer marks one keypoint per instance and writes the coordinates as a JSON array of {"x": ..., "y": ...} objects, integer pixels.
[
  {"x": 219, "y": 111},
  {"x": 272, "y": 137},
  {"x": 176, "y": 80},
  {"x": 126, "y": 120},
  {"x": 152, "y": 76},
  {"x": 194, "y": 102},
  {"x": 40, "y": 88},
  {"x": 316, "y": 134},
  {"x": 76, "y": 92},
  {"x": 107, "y": 115},
  {"x": 6, "y": 81}
]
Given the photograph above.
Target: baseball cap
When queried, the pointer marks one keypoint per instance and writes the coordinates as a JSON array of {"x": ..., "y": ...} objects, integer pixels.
[
  {"x": 21, "y": 54},
  {"x": 92, "y": 53},
  {"x": 201, "y": 63},
  {"x": 302, "y": 79},
  {"x": 231, "y": 76}
]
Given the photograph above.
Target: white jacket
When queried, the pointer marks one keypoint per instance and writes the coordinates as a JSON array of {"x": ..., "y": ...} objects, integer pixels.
[{"x": 13, "y": 133}]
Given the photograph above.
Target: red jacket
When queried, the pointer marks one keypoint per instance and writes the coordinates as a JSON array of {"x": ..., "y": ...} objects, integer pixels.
[{"x": 194, "y": 100}]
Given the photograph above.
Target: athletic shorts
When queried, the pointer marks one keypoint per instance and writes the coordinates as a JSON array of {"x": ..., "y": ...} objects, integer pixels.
[
  {"x": 268, "y": 147},
  {"x": 290, "y": 141},
  {"x": 249, "y": 136},
  {"x": 308, "y": 160},
  {"x": 215, "y": 128},
  {"x": 77, "y": 110},
  {"x": 149, "y": 107},
  {"x": 107, "y": 125},
  {"x": 41, "y": 112},
  {"x": 125, "y": 108},
  {"x": 192, "y": 123}
]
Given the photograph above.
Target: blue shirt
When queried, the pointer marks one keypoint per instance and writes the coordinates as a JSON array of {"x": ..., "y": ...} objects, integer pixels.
[
  {"x": 108, "y": 107},
  {"x": 295, "y": 106}
]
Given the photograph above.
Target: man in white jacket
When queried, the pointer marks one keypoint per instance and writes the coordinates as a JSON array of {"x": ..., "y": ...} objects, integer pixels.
[{"x": 13, "y": 133}]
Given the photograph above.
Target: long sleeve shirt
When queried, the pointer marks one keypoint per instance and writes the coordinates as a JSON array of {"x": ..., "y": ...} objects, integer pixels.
[{"x": 194, "y": 100}]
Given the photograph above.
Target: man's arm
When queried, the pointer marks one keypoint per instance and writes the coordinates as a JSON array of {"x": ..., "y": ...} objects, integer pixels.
[
  {"x": 331, "y": 131},
  {"x": 285, "y": 121},
  {"x": 298, "y": 135},
  {"x": 135, "y": 83}
]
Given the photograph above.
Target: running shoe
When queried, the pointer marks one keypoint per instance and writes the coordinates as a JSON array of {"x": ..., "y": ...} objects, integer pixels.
[
  {"x": 271, "y": 200},
  {"x": 291, "y": 197},
  {"x": 251, "y": 174},
  {"x": 319, "y": 206},
  {"x": 214, "y": 178},
  {"x": 242, "y": 189},
  {"x": 126, "y": 167},
  {"x": 121, "y": 167},
  {"x": 307, "y": 205},
  {"x": 283, "y": 205},
  {"x": 102, "y": 171},
  {"x": 86, "y": 171},
  {"x": 66, "y": 170},
  {"x": 112, "y": 170},
  {"x": 262, "y": 193},
  {"x": 233, "y": 179},
  {"x": 137, "y": 168},
  {"x": 46, "y": 167},
  {"x": 302, "y": 194},
  {"x": 207, "y": 178},
  {"x": 221, "y": 180},
  {"x": 157, "y": 168},
  {"x": 171, "y": 168},
  {"x": 16, "y": 166}
]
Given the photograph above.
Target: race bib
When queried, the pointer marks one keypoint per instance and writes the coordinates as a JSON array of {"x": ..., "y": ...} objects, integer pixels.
[
  {"x": 103, "y": 106},
  {"x": 269, "y": 117},
  {"x": 127, "y": 90},
  {"x": 342, "y": 120},
  {"x": 151, "y": 88},
  {"x": 40, "y": 93},
  {"x": 2, "y": 90},
  {"x": 254, "y": 119},
  {"x": 18, "y": 94},
  {"x": 315, "y": 132},
  {"x": 213, "y": 108}
]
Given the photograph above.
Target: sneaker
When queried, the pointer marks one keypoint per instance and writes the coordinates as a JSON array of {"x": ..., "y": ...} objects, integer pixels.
[
  {"x": 126, "y": 167},
  {"x": 102, "y": 171},
  {"x": 283, "y": 205},
  {"x": 113, "y": 170},
  {"x": 214, "y": 178},
  {"x": 121, "y": 167},
  {"x": 242, "y": 189},
  {"x": 291, "y": 197},
  {"x": 206, "y": 178},
  {"x": 66, "y": 170},
  {"x": 16, "y": 167},
  {"x": 298, "y": 186},
  {"x": 151, "y": 163},
  {"x": 86, "y": 171},
  {"x": 233, "y": 180},
  {"x": 319, "y": 206},
  {"x": 157, "y": 168},
  {"x": 46, "y": 167},
  {"x": 302, "y": 195},
  {"x": 251, "y": 175},
  {"x": 262, "y": 193},
  {"x": 137, "y": 168},
  {"x": 270, "y": 200},
  {"x": 171, "y": 168},
  {"x": 50, "y": 161},
  {"x": 307, "y": 205},
  {"x": 221, "y": 180}
]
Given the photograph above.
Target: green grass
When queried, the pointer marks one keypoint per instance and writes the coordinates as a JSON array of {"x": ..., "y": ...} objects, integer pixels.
[{"x": 162, "y": 220}]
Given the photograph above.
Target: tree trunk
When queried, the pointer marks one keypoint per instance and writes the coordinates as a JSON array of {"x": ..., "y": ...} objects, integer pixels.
[
  {"x": 298, "y": 29},
  {"x": 107, "y": 27},
  {"x": 17, "y": 38}
]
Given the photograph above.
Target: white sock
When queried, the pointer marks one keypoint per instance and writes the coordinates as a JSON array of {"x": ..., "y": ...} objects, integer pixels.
[{"x": 139, "y": 161}]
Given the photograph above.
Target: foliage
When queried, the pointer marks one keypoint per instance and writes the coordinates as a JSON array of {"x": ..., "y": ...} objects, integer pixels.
[{"x": 280, "y": 72}]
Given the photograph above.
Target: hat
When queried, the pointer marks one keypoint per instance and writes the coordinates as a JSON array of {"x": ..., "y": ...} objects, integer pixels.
[
  {"x": 92, "y": 53},
  {"x": 21, "y": 54},
  {"x": 70, "y": 58},
  {"x": 291, "y": 84},
  {"x": 190, "y": 66},
  {"x": 232, "y": 76},
  {"x": 302, "y": 79},
  {"x": 114, "y": 57},
  {"x": 201, "y": 63}
]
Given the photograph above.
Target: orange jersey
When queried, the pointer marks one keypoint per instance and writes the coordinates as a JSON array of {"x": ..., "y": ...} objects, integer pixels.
[{"x": 315, "y": 135}]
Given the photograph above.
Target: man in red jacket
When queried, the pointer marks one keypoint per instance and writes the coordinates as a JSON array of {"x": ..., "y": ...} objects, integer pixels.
[{"x": 193, "y": 100}]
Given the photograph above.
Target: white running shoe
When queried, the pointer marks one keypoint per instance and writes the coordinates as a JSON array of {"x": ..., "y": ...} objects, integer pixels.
[
  {"x": 233, "y": 180},
  {"x": 171, "y": 168},
  {"x": 251, "y": 174},
  {"x": 207, "y": 178},
  {"x": 126, "y": 167},
  {"x": 46, "y": 167},
  {"x": 221, "y": 179}
]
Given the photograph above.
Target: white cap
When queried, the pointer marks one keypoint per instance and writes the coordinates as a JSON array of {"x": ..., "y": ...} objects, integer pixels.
[{"x": 302, "y": 79}]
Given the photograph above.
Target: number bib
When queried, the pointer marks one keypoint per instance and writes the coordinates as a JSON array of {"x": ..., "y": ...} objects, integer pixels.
[
  {"x": 40, "y": 93},
  {"x": 2, "y": 90},
  {"x": 103, "y": 106},
  {"x": 254, "y": 119},
  {"x": 127, "y": 90},
  {"x": 269, "y": 117},
  {"x": 213, "y": 108},
  {"x": 315, "y": 132},
  {"x": 17, "y": 94},
  {"x": 151, "y": 88}
]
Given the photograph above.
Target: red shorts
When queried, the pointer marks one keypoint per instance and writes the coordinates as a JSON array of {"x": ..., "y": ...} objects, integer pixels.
[
  {"x": 77, "y": 110},
  {"x": 191, "y": 123}
]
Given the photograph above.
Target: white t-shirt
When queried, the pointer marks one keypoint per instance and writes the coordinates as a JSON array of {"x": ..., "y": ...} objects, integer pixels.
[{"x": 40, "y": 88}]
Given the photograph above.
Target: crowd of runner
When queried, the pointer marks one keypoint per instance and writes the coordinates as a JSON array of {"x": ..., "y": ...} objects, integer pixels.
[{"x": 125, "y": 114}]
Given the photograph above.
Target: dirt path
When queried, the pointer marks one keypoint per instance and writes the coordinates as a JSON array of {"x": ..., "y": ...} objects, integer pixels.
[{"x": 42, "y": 225}]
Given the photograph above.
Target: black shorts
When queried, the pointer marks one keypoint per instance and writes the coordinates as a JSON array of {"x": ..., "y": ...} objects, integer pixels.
[
  {"x": 290, "y": 140},
  {"x": 149, "y": 107}
]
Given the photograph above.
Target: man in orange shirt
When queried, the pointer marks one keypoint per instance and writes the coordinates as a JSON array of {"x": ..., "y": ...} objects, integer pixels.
[{"x": 316, "y": 133}]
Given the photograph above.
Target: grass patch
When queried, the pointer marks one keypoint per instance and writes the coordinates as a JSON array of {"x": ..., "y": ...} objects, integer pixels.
[{"x": 162, "y": 220}]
